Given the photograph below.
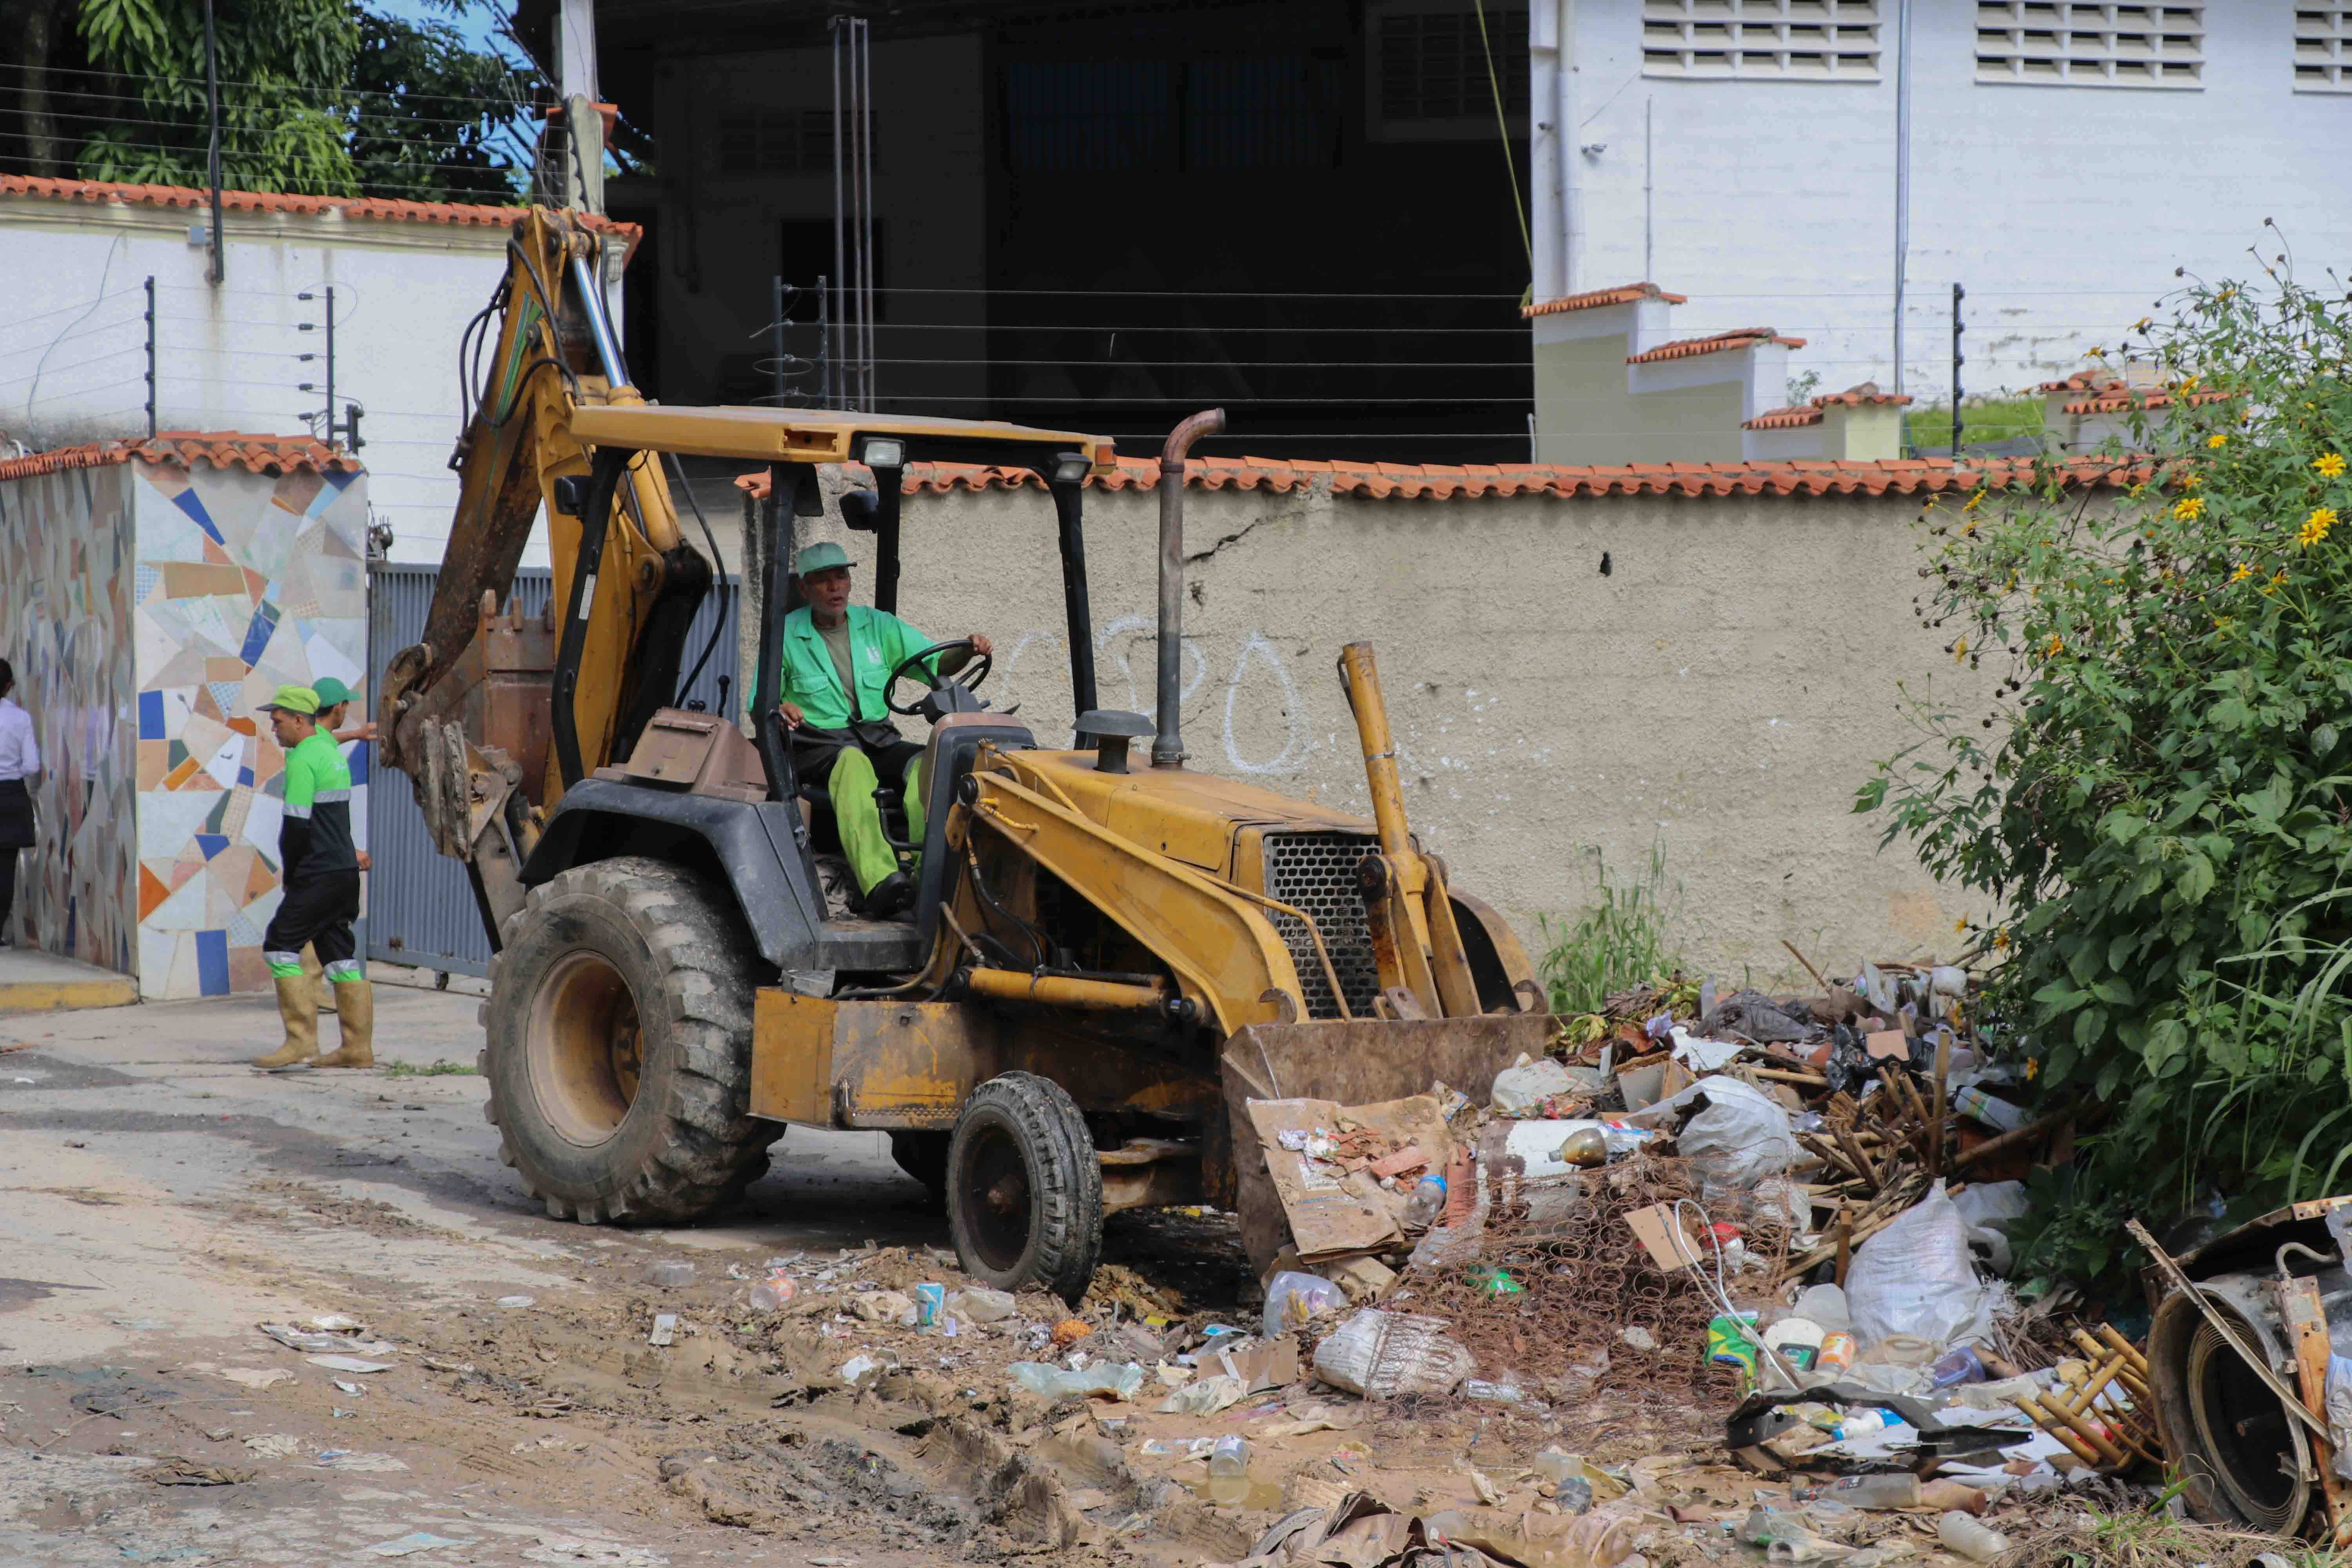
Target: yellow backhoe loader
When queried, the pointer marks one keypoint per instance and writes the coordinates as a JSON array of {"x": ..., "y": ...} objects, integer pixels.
[{"x": 1109, "y": 954}]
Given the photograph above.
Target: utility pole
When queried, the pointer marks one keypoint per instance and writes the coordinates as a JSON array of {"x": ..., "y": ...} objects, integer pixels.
[
  {"x": 218, "y": 272},
  {"x": 583, "y": 122}
]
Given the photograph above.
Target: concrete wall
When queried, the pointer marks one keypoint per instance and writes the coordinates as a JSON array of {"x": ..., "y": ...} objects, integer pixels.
[
  {"x": 65, "y": 579},
  {"x": 1722, "y": 688},
  {"x": 227, "y": 358},
  {"x": 2064, "y": 209}
]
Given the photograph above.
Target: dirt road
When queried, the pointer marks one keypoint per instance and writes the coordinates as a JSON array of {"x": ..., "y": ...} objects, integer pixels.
[{"x": 161, "y": 1200}]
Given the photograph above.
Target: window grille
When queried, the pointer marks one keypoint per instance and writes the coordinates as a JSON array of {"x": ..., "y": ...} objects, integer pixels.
[
  {"x": 775, "y": 141},
  {"x": 2054, "y": 43},
  {"x": 1785, "y": 40}
]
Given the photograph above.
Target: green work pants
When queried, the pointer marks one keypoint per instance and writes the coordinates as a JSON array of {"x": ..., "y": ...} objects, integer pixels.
[{"x": 858, "y": 820}]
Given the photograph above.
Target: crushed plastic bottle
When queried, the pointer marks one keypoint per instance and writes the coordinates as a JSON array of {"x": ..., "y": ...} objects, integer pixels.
[
  {"x": 1976, "y": 1543},
  {"x": 1428, "y": 1202},
  {"x": 1229, "y": 1470},
  {"x": 773, "y": 1291},
  {"x": 982, "y": 1305},
  {"x": 1118, "y": 1380},
  {"x": 1295, "y": 1299},
  {"x": 669, "y": 1272}
]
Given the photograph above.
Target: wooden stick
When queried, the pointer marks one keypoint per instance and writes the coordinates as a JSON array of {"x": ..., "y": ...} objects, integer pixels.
[
  {"x": 1936, "y": 1133},
  {"x": 1780, "y": 1076},
  {"x": 2057, "y": 1411},
  {"x": 1861, "y": 1157},
  {"x": 2032, "y": 1132},
  {"x": 2115, "y": 1340},
  {"x": 1845, "y": 1250},
  {"x": 1800, "y": 958},
  {"x": 2080, "y": 1449}
]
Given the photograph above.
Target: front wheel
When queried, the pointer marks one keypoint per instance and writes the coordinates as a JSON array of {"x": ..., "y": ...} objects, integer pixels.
[
  {"x": 1024, "y": 1188},
  {"x": 618, "y": 1046}
]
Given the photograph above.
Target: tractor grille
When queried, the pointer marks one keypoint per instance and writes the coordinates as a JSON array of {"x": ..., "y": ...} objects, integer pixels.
[{"x": 1316, "y": 873}]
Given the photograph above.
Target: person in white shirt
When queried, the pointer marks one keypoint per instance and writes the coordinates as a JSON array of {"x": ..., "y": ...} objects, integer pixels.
[{"x": 20, "y": 765}]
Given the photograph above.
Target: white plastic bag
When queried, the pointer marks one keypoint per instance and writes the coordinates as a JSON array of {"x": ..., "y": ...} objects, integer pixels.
[
  {"x": 1525, "y": 1084},
  {"x": 1915, "y": 1277},
  {"x": 1739, "y": 1139},
  {"x": 1987, "y": 1210},
  {"x": 1382, "y": 1354}
]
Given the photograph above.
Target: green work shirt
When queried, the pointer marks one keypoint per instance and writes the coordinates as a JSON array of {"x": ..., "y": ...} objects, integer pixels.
[
  {"x": 316, "y": 833},
  {"x": 878, "y": 642}
]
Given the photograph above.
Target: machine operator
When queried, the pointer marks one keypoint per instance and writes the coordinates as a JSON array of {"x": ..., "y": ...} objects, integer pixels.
[{"x": 837, "y": 659}]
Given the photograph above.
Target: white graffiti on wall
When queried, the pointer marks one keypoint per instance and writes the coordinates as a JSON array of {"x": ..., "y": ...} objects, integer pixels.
[{"x": 1117, "y": 639}]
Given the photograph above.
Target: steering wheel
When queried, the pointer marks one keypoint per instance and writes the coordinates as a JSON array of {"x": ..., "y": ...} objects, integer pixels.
[{"x": 966, "y": 677}]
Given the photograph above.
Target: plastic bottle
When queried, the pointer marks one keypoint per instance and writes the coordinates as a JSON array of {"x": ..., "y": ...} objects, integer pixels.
[
  {"x": 982, "y": 1305},
  {"x": 669, "y": 1272},
  {"x": 1294, "y": 1300},
  {"x": 1428, "y": 1202},
  {"x": 1956, "y": 1367},
  {"x": 1860, "y": 1424},
  {"x": 1118, "y": 1379},
  {"x": 1976, "y": 1543},
  {"x": 1897, "y": 1489},
  {"x": 1975, "y": 1102},
  {"x": 1229, "y": 1470}
]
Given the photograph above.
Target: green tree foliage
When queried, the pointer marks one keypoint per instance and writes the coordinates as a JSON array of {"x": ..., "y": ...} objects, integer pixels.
[
  {"x": 318, "y": 96},
  {"x": 2161, "y": 799}
]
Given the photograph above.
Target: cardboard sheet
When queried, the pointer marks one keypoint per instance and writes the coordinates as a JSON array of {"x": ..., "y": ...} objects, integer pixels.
[{"x": 1325, "y": 1218}]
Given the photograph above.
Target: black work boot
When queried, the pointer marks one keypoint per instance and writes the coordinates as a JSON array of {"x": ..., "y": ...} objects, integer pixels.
[{"x": 888, "y": 899}]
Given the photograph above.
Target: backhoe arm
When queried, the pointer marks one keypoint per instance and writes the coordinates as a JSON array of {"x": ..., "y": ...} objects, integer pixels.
[{"x": 468, "y": 712}]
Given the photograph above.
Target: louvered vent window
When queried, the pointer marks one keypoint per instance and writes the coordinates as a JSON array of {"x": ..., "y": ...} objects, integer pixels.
[
  {"x": 2052, "y": 43},
  {"x": 1782, "y": 40}
]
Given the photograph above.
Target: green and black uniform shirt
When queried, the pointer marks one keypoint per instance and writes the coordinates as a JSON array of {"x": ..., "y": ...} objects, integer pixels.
[{"x": 315, "y": 837}]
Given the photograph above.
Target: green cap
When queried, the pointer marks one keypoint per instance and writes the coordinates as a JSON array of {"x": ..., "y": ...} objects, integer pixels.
[
  {"x": 820, "y": 556},
  {"x": 293, "y": 699},
  {"x": 330, "y": 692}
]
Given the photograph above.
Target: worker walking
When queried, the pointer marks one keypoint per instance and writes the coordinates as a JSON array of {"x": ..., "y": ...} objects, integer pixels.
[
  {"x": 334, "y": 706},
  {"x": 320, "y": 866},
  {"x": 837, "y": 659}
]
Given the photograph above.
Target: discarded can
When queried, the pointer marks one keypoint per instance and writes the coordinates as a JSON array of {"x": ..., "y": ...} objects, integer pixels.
[
  {"x": 1729, "y": 1340},
  {"x": 1837, "y": 1352},
  {"x": 930, "y": 1297}
]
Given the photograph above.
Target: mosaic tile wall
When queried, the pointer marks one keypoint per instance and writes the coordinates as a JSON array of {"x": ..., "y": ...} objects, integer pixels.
[
  {"x": 66, "y": 570},
  {"x": 243, "y": 582}
]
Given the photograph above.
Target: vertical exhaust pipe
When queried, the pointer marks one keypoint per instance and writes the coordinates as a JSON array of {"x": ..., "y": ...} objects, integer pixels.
[
  {"x": 1360, "y": 679},
  {"x": 1168, "y": 745}
]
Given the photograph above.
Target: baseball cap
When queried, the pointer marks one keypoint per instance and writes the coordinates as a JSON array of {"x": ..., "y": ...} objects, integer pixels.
[
  {"x": 331, "y": 691},
  {"x": 820, "y": 556},
  {"x": 293, "y": 699}
]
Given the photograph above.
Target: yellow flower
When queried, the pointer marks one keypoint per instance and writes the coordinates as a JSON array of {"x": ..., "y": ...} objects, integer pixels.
[
  {"x": 2222, "y": 623},
  {"x": 1960, "y": 651},
  {"x": 2242, "y": 574},
  {"x": 1973, "y": 501},
  {"x": 2142, "y": 324},
  {"x": 1960, "y": 925},
  {"x": 2329, "y": 466},
  {"x": 2217, "y": 440},
  {"x": 2315, "y": 527},
  {"x": 2051, "y": 649},
  {"x": 2001, "y": 942},
  {"x": 2188, "y": 509},
  {"x": 2194, "y": 481}
]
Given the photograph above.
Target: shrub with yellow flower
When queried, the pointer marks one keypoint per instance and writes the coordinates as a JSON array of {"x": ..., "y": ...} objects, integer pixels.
[
  {"x": 2188, "y": 509},
  {"x": 2328, "y": 465},
  {"x": 2315, "y": 527}
]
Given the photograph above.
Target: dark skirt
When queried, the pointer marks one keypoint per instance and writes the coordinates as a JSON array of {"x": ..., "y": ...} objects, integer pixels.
[{"x": 16, "y": 815}]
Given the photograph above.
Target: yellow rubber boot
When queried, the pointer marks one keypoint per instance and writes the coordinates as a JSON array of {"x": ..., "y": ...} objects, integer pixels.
[
  {"x": 355, "y": 1011},
  {"x": 298, "y": 1007},
  {"x": 318, "y": 976}
]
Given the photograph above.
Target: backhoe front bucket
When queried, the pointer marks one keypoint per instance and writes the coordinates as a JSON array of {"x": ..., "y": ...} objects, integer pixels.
[{"x": 1361, "y": 1062}]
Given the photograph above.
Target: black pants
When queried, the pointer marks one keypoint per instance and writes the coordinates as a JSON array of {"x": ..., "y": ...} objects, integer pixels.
[
  {"x": 318, "y": 909},
  {"x": 814, "y": 751},
  {"x": 7, "y": 885},
  {"x": 15, "y": 833}
]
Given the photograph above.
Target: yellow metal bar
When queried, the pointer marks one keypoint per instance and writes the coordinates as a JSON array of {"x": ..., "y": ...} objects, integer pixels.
[
  {"x": 1064, "y": 991},
  {"x": 809, "y": 436},
  {"x": 1362, "y": 680}
]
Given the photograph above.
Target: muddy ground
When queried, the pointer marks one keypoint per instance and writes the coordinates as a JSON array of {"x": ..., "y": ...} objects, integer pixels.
[{"x": 162, "y": 1201}]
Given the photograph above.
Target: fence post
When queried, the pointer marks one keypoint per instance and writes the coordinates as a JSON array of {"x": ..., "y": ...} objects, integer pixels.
[
  {"x": 1958, "y": 294},
  {"x": 151, "y": 356}
]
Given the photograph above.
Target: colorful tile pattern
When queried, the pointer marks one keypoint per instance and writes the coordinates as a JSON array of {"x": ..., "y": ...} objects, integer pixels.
[
  {"x": 67, "y": 569},
  {"x": 260, "y": 581},
  {"x": 148, "y": 606}
]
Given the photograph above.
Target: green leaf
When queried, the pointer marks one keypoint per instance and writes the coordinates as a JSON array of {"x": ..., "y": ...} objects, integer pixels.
[{"x": 2196, "y": 878}]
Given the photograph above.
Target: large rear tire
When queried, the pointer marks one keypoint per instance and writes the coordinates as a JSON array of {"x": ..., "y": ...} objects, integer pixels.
[
  {"x": 618, "y": 1046},
  {"x": 1024, "y": 1187}
]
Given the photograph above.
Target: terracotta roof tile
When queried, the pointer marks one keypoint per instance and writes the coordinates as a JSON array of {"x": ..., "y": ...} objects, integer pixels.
[
  {"x": 2081, "y": 381},
  {"x": 1814, "y": 477},
  {"x": 1790, "y": 418},
  {"x": 463, "y": 215},
  {"x": 185, "y": 448},
  {"x": 1690, "y": 348},
  {"x": 1865, "y": 393},
  {"x": 2117, "y": 398},
  {"x": 1623, "y": 294}
]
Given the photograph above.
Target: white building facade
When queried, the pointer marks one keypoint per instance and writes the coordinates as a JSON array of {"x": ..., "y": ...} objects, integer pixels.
[
  {"x": 2060, "y": 160},
  {"x": 250, "y": 353}
]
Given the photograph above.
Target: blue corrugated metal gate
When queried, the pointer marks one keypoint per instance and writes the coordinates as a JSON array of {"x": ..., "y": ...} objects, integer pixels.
[{"x": 421, "y": 908}]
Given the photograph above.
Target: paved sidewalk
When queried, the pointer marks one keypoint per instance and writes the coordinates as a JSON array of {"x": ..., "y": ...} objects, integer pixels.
[{"x": 32, "y": 981}]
